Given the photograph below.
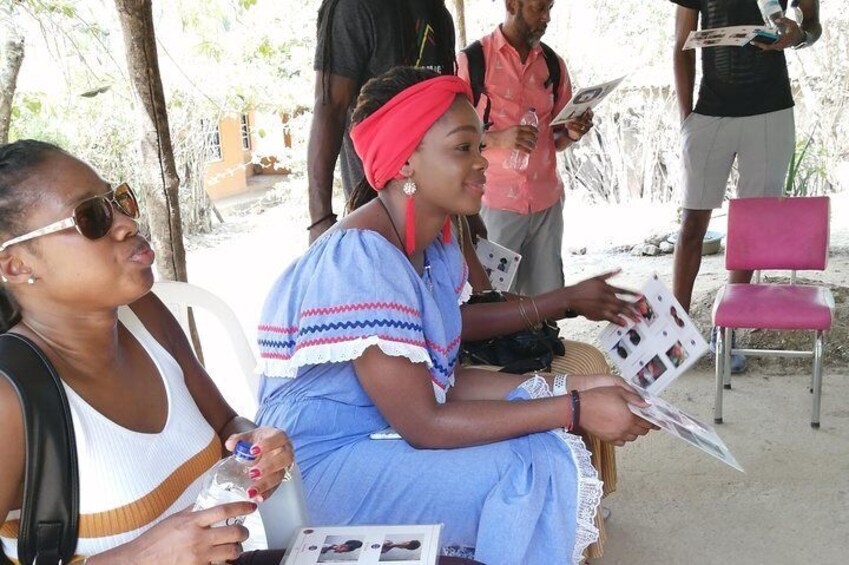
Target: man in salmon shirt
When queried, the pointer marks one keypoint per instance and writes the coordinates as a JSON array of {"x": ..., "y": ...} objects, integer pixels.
[{"x": 523, "y": 209}]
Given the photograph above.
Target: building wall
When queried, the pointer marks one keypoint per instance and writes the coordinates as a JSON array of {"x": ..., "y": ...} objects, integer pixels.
[{"x": 230, "y": 174}]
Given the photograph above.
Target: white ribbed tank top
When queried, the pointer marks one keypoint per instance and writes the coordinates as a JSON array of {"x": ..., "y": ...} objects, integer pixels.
[{"x": 129, "y": 480}]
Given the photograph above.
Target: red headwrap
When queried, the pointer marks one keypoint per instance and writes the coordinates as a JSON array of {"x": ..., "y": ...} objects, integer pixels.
[{"x": 386, "y": 139}]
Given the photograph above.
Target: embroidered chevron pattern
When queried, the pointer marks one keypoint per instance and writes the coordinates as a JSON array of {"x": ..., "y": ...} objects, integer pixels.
[
  {"x": 277, "y": 329},
  {"x": 363, "y": 306},
  {"x": 463, "y": 279},
  {"x": 448, "y": 348},
  {"x": 362, "y": 324},
  {"x": 335, "y": 340},
  {"x": 271, "y": 343}
]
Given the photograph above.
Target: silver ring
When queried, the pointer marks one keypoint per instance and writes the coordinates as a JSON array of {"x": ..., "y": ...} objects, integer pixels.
[{"x": 287, "y": 473}]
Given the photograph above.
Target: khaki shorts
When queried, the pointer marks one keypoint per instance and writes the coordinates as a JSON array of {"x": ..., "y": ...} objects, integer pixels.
[
  {"x": 538, "y": 238},
  {"x": 763, "y": 146}
]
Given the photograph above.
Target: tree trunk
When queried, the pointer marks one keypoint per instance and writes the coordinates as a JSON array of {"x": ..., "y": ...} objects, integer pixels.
[
  {"x": 460, "y": 13},
  {"x": 160, "y": 184},
  {"x": 13, "y": 56}
]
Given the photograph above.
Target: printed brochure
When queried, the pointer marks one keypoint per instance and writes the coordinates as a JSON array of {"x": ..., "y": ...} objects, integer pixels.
[
  {"x": 652, "y": 353},
  {"x": 365, "y": 545}
]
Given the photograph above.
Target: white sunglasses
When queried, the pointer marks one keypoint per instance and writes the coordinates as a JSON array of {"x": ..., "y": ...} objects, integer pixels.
[{"x": 92, "y": 217}]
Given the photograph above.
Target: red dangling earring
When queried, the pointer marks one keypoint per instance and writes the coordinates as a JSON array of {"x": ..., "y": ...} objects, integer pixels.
[
  {"x": 410, "y": 225},
  {"x": 446, "y": 230}
]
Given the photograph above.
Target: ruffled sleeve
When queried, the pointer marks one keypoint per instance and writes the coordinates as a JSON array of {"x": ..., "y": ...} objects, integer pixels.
[{"x": 352, "y": 290}]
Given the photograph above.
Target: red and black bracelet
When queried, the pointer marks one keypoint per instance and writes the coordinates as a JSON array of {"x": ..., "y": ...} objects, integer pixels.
[{"x": 576, "y": 411}]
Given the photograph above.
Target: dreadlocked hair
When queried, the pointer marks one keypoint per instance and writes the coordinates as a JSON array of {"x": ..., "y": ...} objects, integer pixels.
[
  {"x": 18, "y": 162},
  {"x": 402, "y": 19},
  {"x": 374, "y": 94}
]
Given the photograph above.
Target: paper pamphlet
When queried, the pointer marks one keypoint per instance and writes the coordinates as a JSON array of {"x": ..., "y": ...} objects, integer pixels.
[
  {"x": 652, "y": 353},
  {"x": 662, "y": 346},
  {"x": 499, "y": 262},
  {"x": 585, "y": 99},
  {"x": 682, "y": 425},
  {"x": 365, "y": 545},
  {"x": 734, "y": 36}
]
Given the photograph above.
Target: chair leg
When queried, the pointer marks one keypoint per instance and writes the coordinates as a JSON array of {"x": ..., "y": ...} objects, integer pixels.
[
  {"x": 720, "y": 375},
  {"x": 819, "y": 346},
  {"x": 729, "y": 343}
]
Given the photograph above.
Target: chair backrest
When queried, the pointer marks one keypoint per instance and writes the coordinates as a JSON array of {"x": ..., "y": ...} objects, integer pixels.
[
  {"x": 286, "y": 510},
  {"x": 777, "y": 233},
  {"x": 179, "y": 297}
]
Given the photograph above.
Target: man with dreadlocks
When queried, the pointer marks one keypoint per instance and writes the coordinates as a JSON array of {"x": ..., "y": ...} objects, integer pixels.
[{"x": 358, "y": 40}]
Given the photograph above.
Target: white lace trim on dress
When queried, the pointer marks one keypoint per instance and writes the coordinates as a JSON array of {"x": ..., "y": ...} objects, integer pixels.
[
  {"x": 590, "y": 486},
  {"x": 340, "y": 353},
  {"x": 465, "y": 294}
]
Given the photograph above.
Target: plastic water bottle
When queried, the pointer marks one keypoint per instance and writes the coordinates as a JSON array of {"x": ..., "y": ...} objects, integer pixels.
[
  {"x": 228, "y": 481},
  {"x": 771, "y": 11},
  {"x": 518, "y": 160}
]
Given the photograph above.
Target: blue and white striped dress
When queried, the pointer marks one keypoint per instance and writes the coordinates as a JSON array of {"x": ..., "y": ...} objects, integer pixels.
[{"x": 527, "y": 500}]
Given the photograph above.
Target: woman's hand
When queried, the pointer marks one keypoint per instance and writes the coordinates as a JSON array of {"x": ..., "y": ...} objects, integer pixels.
[
  {"x": 274, "y": 457},
  {"x": 605, "y": 414},
  {"x": 597, "y": 300},
  {"x": 186, "y": 538},
  {"x": 582, "y": 383}
]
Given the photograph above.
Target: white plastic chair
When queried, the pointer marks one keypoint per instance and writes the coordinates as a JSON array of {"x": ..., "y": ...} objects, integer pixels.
[{"x": 286, "y": 510}]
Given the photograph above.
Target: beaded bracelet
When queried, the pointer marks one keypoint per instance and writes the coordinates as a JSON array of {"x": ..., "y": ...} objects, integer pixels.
[{"x": 576, "y": 411}]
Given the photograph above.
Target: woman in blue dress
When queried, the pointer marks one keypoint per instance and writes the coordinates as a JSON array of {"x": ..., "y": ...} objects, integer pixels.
[{"x": 362, "y": 332}]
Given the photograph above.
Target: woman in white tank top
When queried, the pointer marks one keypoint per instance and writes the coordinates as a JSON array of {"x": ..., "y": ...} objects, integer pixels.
[{"x": 148, "y": 421}]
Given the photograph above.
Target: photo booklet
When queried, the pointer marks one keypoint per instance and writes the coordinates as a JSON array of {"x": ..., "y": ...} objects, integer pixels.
[
  {"x": 652, "y": 353},
  {"x": 734, "y": 36},
  {"x": 365, "y": 545},
  {"x": 500, "y": 263},
  {"x": 585, "y": 99}
]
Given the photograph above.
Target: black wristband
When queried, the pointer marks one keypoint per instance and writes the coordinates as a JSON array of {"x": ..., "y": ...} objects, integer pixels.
[
  {"x": 322, "y": 220},
  {"x": 576, "y": 411}
]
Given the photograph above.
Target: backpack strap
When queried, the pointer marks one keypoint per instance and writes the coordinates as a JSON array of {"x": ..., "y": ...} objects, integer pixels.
[
  {"x": 477, "y": 78},
  {"x": 553, "y": 64},
  {"x": 49, "y": 525}
]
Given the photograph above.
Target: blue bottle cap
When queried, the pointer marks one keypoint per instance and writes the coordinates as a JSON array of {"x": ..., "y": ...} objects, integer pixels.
[{"x": 243, "y": 450}]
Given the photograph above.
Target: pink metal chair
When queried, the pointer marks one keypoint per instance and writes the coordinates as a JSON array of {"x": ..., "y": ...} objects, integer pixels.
[{"x": 774, "y": 233}]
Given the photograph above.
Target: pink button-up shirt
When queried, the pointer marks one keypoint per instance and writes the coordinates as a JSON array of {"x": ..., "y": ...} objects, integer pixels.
[{"x": 513, "y": 88}]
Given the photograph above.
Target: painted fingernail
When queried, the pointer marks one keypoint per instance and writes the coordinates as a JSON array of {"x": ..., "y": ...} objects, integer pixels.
[
  {"x": 254, "y": 473},
  {"x": 252, "y": 492},
  {"x": 256, "y": 450}
]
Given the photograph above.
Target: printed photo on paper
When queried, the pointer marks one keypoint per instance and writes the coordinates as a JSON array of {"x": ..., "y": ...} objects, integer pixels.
[
  {"x": 684, "y": 426},
  {"x": 366, "y": 545},
  {"x": 658, "y": 349},
  {"x": 586, "y": 99},
  {"x": 733, "y": 36},
  {"x": 500, "y": 263}
]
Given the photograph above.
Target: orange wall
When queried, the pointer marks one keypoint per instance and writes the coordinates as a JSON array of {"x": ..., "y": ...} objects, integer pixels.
[{"x": 230, "y": 174}]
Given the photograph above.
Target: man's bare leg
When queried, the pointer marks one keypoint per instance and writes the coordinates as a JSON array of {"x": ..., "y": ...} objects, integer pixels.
[
  {"x": 688, "y": 254},
  {"x": 744, "y": 277}
]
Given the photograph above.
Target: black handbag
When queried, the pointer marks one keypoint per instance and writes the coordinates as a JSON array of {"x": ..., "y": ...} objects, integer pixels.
[
  {"x": 49, "y": 524},
  {"x": 521, "y": 352}
]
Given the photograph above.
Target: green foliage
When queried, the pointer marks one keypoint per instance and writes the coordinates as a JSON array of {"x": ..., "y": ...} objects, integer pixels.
[{"x": 806, "y": 174}]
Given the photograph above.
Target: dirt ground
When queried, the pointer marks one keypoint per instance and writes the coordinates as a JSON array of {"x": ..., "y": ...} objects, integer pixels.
[{"x": 674, "y": 504}]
